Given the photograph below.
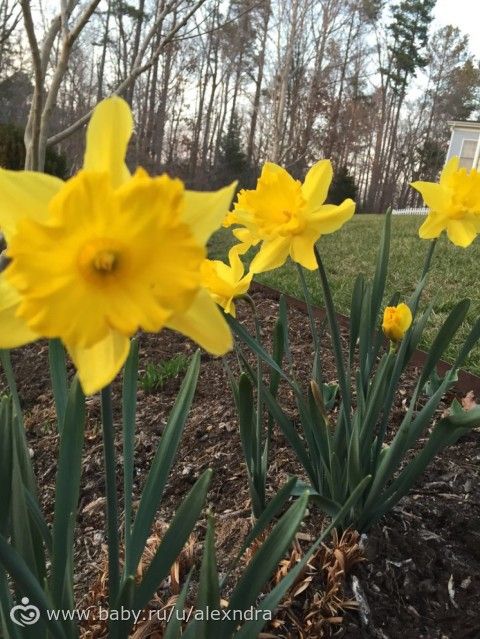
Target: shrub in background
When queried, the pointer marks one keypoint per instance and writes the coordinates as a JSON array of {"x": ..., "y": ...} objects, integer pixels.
[
  {"x": 12, "y": 153},
  {"x": 342, "y": 187}
]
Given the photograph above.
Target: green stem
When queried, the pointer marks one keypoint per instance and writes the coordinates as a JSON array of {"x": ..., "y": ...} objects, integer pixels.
[
  {"x": 426, "y": 268},
  {"x": 429, "y": 256},
  {"x": 390, "y": 394},
  {"x": 6, "y": 604},
  {"x": 12, "y": 385},
  {"x": 258, "y": 480},
  {"x": 313, "y": 325},
  {"x": 335, "y": 335},
  {"x": 393, "y": 347},
  {"x": 17, "y": 410},
  {"x": 111, "y": 493},
  {"x": 58, "y": 374},
  {"x": 129, "y": 407}
]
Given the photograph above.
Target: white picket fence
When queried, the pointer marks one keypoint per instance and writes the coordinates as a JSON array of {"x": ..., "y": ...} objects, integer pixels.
[{"x": 411, "y": 211}]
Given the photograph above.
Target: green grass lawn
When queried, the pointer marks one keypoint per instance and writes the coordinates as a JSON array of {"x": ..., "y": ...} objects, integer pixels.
[{"x": 352, "y": 250}]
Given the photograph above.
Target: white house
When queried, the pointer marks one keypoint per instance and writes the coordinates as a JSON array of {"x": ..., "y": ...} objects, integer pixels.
[{"x": 465, "y": 143}]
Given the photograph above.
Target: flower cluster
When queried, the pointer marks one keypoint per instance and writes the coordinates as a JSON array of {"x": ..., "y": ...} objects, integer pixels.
[
  {"x": 96, "y": 258},
  {"x": 93, "y": 260}
]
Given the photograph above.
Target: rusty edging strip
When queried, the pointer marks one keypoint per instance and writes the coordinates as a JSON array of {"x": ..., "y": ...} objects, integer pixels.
[{"x": 466, "y": 381}]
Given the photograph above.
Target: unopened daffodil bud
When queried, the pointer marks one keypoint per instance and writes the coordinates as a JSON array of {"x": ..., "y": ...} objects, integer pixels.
[{"x": 396, "y": 321}]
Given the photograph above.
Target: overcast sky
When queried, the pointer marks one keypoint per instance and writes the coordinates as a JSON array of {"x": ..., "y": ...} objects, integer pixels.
[{"x": 464, "y": 14}]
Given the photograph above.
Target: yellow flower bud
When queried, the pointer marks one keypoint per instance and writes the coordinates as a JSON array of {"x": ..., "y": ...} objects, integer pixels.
[{"x": 396, "y": 321}]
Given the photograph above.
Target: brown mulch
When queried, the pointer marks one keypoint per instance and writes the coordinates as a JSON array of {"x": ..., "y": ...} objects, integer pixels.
[{"x": 415, "y": 576}]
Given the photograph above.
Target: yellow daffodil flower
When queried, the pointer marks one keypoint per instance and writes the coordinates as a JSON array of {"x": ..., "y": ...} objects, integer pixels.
[
  {"x": 454, "y": 205},
  {"x": 225, "y": 282},
  {"x": 286, "y": 216},
  {"x": 106, "y": 253},
  {"x": 396, "y": 321}
]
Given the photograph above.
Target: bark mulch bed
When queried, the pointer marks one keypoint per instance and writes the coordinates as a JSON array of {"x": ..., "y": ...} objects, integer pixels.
[{"x": 416, "y": 575}]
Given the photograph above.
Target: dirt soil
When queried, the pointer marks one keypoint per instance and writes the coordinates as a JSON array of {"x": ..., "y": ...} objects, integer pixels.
[{"x": 420, "y": 573}]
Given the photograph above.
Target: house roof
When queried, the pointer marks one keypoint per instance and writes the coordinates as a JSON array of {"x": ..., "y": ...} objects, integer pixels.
[{"x": 465, "y": 124}]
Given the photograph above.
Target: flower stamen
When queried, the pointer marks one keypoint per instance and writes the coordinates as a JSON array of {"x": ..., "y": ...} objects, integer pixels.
[
  {"x": 99, "y": 259},
  {"x": 105, "y": 261}
]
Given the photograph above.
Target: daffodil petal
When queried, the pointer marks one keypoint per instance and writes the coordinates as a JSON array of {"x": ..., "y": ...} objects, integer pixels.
[
  {"x": 449, "y": 169},
  {"x": 205, "y": 210},
  {"x": 246, "y": 238},
  {"x": 405, "y": 316},
  {"x": 13, "y": 330},
  {"x": 236, "y": 264},
  {"x": 230, "y": 308},
  {"x": 271, "y": 167},
  {"x": 301, "y": 251},
  {"x": 461, "y": 232},
  {"x": 108, "y": 134},
  {"x": 316, "y": 184},
  {"x": 432, "y": 226},
  {"x": 24, "y": 194},
  {"x": 329, "y": 218},
  {"x": 204, "y": 323},
  {"x": 99, "y": 364},
  {"x": 434, "y": 195},
  {"x": 272, "y": 254}
]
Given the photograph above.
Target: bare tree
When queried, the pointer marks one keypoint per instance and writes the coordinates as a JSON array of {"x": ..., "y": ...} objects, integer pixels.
[
  {"x": 44, "y": 98},
  {"x": 235, "y": 82},
  {"x": 10, "y": 16}
]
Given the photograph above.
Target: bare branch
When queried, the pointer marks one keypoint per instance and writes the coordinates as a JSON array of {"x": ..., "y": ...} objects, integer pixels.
[
  {"x": 32, "y": 39},
  {"x": 8, "y": 29},
  {"x": 32, "y": 130},
  {"x": 133, "y": 75},
  {"x": 148, "y": 38},
  {"x": 167, "y": 39},
  {"x": 64, "y": 17},
  {"x": 193, "y": 34},
  {"x": 48, "y": 41},
  {"x": 61, "y": 68},
  {"x": 51, "y": 34},
  {"x": 82, "y": 21}
]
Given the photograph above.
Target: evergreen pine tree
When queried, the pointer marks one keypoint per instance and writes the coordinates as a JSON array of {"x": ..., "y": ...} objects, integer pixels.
[
  {"x": 12, "y": 153},
  {"x": 232, "y": 159},
  {"x": 342, "y": 187}
]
